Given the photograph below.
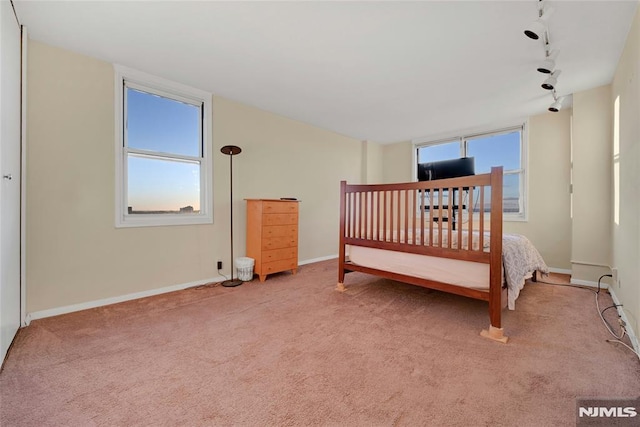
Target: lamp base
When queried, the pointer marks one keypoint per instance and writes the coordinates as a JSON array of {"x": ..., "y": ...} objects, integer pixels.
[{"x": 231, "y": 283}]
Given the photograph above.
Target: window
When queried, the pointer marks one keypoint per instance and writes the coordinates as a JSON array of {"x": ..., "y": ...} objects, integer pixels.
[
  {"x": 504, "y": 148},
  {"x": 163, "y": 169}
]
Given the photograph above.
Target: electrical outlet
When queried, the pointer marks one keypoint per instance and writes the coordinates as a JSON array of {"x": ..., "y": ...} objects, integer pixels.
[
  {"x": 219, "y": 265},
  {"x": 614, "y": 276}
]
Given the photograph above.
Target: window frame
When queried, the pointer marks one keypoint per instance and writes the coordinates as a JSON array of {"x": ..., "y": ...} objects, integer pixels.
[
  {"x": 137, "y": 80},
  {"x": 463, "y": 138}
]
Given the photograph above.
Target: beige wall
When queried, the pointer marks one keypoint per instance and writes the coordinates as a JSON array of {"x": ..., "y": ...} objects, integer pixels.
[
  {"x": 372, "y": 167},
  {"x": 549, "y": 202},
  {"x": 282, "y": 158},
  {"x": 398, "y": 162},
  {"x": 625, "y": 159},
  {"x": 591, "y": 147},
  {"x": 549, "y": 222},
  {"x": 74, "y": 252}
]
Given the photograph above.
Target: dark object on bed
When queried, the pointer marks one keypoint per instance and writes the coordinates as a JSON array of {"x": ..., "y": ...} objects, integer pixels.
[{"x": 444, "y": 169}]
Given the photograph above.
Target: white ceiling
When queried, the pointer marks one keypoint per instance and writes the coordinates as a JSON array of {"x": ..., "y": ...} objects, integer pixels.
[{"x": 379, "y": 71}]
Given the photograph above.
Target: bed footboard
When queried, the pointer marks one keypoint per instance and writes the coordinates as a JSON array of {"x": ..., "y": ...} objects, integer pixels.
[{"x": 456, "y": 219}]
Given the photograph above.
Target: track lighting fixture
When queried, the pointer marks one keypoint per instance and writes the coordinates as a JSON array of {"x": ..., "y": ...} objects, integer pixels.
[
  {"x": 551, "y": 81},
  {"x": 557, "y": 103},
  {"x": 549, "y": 64},
  {"x": 538, "y": 28},
  {"x": 555, "y": 107}
]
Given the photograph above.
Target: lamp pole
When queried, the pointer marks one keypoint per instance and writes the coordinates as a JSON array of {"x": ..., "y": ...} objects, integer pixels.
[{"x": 231, "y": 150}]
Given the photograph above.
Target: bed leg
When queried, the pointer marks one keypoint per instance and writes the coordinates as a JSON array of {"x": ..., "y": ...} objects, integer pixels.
[
  {"x": 341, "y": 287},
  {"x": 496, "y": 334}
]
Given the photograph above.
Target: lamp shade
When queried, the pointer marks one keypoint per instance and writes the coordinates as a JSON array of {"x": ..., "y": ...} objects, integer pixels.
[{"x": 231, "y": 150}]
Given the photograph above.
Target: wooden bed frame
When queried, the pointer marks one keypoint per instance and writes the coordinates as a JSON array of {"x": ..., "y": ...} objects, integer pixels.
[{"x": 387, "y": 216}]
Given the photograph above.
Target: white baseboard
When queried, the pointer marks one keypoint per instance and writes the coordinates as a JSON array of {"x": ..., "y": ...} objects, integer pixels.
[
  {"x": 114, "y": 300},
  {"x": 628, "y": 325},
  {"x": 589, "y": 283},
  {"x": 312, "y": 260},
  {"x": 136, "y": 295},
  {"x": 559, "y": 270}
]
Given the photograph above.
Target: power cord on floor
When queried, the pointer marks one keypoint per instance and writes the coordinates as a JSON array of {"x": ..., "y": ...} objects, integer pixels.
[
  {"x": 210, "y": 285},
  {"x": 608, "y": 326},
  {"x": 624, "y": 344},
  {"x": 618, "y": 338},
  {"x": 569, "y": 285},
  {"x": 623, "y": 330},
  {"x": 206, "y": 286},
  {"x": 601, "y": 312}
]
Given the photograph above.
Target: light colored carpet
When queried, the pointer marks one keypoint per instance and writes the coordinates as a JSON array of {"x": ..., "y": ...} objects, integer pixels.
[{"x": 292, "y": 351}]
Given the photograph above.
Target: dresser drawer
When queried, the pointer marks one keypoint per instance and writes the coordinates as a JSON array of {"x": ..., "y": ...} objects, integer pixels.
[
  {"x": 280, "y": 219},
  {"x": 279, "y": 242},
  {"x": 279, "y": 231},
  {"x": 279, "y": 255},
  {"x": 279, "y": 207},
  {"x": 276, "y": 266}
]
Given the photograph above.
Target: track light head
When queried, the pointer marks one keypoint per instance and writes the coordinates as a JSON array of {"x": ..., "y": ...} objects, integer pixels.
[
  {"x": 549, "y": 64},
  {"x": 551, "y": 81},
  {"x": 536, "y": 29},
  {"x": 556, "y": 106},
  {"x": 539, "y": 26}
]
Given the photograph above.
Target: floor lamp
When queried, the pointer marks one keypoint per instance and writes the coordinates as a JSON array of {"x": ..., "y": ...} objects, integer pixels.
[{"x": 231, "y": 150}]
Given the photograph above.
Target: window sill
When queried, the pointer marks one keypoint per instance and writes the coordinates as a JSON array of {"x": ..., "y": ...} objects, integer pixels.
[
  {"x": 514, "y": 218},
  {"x": 156, "y": 221}
]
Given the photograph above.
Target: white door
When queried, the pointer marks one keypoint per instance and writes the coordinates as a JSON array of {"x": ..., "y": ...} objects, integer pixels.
[{"x": 9, "y": 177}]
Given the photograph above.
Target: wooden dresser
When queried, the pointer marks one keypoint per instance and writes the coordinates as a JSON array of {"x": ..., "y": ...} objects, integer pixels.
[{"x": 272, "y": 235}]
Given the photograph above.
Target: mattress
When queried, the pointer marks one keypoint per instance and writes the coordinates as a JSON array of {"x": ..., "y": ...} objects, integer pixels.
[
  {"x": 520, "y": 259},
  {"x": 462, "y": 273}
]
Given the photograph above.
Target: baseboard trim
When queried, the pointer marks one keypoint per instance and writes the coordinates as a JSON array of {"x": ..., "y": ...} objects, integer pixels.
[
  {"x": 114, "y": 300},
  {"x": 589, "y": 283},
  {"x": 136, "y": 295},
  {"x": 629, "y": 326},
  {"x": 312, "y": 260},
  {"x": 559, "y": 270}
]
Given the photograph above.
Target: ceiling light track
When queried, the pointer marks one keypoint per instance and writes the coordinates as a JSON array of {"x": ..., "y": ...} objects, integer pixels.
[{"x": 539, "y": 30}]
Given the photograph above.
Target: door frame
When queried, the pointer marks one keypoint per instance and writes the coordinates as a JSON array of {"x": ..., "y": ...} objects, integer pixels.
[{"x": 23, "y": 176}]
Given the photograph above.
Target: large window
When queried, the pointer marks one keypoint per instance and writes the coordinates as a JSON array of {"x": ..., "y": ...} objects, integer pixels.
[
  {"x": 163, "y": 139},
  {"x": 504, "y": 148}
]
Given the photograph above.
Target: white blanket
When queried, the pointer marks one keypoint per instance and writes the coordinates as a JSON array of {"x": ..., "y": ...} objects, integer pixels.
[{"x": 520, "y": 258}]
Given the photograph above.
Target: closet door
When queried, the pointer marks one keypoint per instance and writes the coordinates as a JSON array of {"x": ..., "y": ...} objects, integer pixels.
[{"x": 9, "y": 176}]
